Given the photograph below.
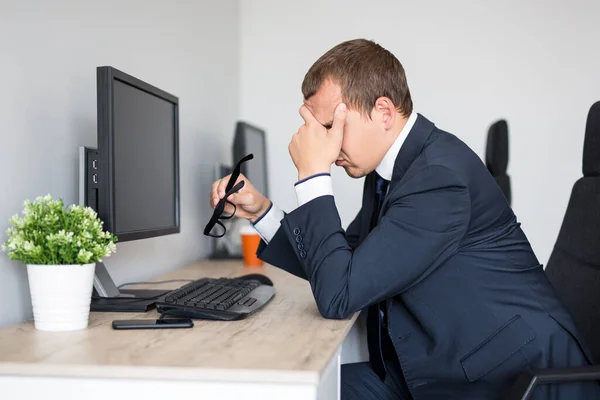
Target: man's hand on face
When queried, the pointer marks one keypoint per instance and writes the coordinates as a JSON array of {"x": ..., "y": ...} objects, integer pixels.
[{"x": 314, "y": 148}]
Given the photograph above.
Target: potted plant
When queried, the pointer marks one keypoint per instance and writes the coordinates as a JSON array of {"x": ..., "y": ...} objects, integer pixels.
[{"x": 60, "y": 246}]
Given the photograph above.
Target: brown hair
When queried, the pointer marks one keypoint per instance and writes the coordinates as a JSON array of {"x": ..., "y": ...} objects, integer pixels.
[{"x": 365, "y": 71}]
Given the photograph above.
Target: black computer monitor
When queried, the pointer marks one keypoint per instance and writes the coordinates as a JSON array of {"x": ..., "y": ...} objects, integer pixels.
[
  {"x": 138, "y": 154},
  {"x": 132, "y": 179},
  {"x": 251, "y": 139}
]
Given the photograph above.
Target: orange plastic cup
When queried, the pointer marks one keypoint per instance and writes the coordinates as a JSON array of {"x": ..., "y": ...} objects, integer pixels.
[{"x": 250, "y": 243}]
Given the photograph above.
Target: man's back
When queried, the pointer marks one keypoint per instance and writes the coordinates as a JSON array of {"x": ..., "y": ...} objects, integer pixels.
[{"x": 488, "y": 310}]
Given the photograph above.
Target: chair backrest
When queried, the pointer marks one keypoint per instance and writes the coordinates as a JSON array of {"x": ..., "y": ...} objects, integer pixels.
[
  {"x": 496, "y": 156},
  {"x": 574, "y": 265}
]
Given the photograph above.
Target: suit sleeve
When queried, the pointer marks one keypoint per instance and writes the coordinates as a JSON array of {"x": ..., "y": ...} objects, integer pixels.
[
  {"x": 421, "y": 228},
  {"x": 278, "y": 251},
  {"x": 353, "y": 231}
]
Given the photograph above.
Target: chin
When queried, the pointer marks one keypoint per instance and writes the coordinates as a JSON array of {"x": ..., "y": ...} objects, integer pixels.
[{"x": 354, "y": 172}]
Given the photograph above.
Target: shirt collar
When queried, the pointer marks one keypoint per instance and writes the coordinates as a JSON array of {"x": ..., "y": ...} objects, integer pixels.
[{"x": 386, "y": 167}]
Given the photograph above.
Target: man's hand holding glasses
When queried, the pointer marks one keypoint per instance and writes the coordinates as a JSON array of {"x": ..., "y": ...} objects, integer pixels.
[{"x": 235, "y": 195}]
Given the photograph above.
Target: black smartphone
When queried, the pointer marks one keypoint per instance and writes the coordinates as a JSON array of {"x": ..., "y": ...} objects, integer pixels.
[{"x": 164, "y": 323}]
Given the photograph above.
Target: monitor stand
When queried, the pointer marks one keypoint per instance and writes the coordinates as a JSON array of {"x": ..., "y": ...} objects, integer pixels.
[{"x": 108, "y": 298}]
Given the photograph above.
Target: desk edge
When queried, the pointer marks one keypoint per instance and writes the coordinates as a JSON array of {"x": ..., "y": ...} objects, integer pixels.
[{"x": 160, "y": 373}]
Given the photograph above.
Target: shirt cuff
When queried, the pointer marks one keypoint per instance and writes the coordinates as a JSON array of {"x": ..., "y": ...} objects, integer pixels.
[
  {"x": 312, "y": 187},
  {"x": 268, "y": 223}
]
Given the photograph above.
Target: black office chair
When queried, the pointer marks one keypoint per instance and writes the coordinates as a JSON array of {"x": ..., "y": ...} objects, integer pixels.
[
  {"x": 496, "y": 156},
  {"x": 574, "y": 266}
]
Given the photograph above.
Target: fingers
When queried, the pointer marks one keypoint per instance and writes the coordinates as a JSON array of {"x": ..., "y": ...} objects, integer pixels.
[
  {"x": 214, "y": 196},
  {"x": 339, "y": 119},
  {"x": 222, "y": 186},
  {"x": 242, "y": 198},
  {"x": 307, "y": 115},
  {"x": 218, "y": 190}
]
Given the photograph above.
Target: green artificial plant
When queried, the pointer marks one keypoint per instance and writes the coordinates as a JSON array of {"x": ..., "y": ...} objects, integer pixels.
[{"x": 49, "y": 233}]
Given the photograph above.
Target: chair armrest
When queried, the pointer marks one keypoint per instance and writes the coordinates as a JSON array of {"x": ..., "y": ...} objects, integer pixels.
[{"x": 527, "y": 381}]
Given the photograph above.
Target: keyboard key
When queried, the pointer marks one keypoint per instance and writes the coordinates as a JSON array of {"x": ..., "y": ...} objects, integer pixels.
[{"x": 237, "y": 297}]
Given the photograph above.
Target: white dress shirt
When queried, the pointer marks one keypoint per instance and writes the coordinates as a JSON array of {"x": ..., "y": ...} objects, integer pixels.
[{"x": 320, "y": 185}]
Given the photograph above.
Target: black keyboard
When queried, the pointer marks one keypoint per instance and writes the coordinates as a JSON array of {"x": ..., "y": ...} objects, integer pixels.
[{"x": 224, "y": 299}]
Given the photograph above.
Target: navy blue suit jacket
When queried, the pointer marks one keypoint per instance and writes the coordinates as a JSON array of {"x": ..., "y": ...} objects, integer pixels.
[{"x": 469, "y": 305}]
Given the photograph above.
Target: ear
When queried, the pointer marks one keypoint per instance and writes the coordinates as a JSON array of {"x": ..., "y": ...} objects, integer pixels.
[{"x": 385, "y": 112}]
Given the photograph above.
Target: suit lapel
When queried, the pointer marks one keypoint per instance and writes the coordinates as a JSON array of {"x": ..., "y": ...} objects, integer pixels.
[
  {"x": 412, "y": 147},
  {"x": 410, "y": 150}
]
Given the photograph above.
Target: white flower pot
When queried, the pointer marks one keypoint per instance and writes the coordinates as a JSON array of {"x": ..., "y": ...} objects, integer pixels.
[{"x": 61, "y": 295}]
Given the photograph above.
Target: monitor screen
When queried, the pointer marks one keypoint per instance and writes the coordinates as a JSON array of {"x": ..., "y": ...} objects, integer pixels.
[
  {"x": 250, "y": 139},
  {"x": 144, "y": 160},
  {"x": 255, "y": 169},
  {"x": 138, "y": 157}
]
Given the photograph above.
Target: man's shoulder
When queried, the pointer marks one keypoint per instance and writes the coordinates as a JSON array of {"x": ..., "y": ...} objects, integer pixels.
[
  {"x": 436, "y": 149},
  {"x": 443, "y": 141},
  {"x": 446, "y": 152},
  {"x": 447, "y": 149}
]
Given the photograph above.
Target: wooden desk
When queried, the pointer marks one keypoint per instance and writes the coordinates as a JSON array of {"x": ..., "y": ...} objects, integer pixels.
[{"x": 284, "y": 351}]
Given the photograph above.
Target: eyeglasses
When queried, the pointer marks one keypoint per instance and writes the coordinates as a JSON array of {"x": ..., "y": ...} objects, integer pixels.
[{"x": 219, "y": 213}]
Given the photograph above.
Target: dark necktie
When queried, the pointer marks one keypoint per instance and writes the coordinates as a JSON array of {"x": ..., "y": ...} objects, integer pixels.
[
  {"x": 381, "y": 186},
  {"x": 374, "y": 312}
]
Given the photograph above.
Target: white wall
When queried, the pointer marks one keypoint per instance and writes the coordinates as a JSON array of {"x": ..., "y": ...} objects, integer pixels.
[
  {"x": 49, "y": 53},
  {"x": 468, "y": 64}
]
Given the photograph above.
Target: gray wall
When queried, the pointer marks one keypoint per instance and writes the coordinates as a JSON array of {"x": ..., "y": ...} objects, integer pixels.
[{"x": 49, "y": 52}]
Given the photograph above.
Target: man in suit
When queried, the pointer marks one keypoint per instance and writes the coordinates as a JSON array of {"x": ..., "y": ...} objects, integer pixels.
[{"x": 456, "y": 302}]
